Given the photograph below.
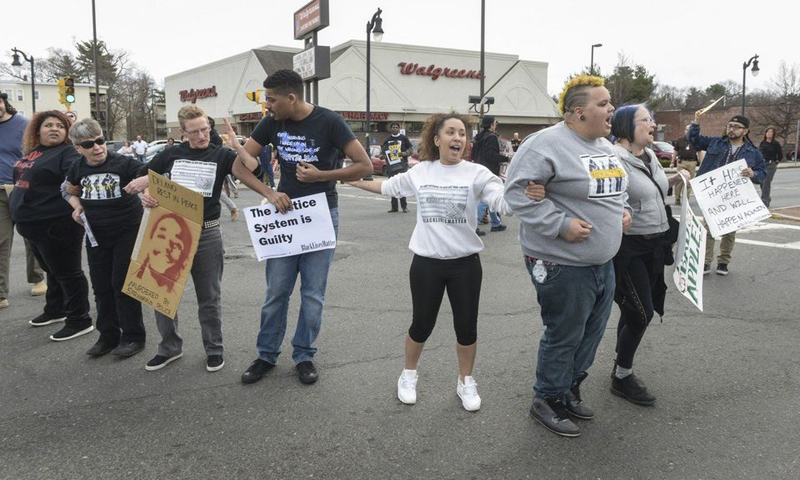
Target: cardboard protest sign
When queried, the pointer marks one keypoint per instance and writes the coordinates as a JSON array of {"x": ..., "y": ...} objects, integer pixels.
[
  {"x": 394, "y": 154},
  {"x": 165, "y": 247},
  {"x": 306, "y": 228},
  {"x": 690, "y": 254},
  {"x": 727, "y": 200}
]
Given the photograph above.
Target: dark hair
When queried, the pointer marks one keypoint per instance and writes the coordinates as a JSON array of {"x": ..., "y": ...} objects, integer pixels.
[
  {"x": 773, "y": 133},
  {"x": 427, "y": 148},
  {"x": 285, "y": 82},
  {"x": 170, "y": 276},
  {"x": 9, "y": 108},
  {"x": 487, "y": 122},
  {"x": 623, "y": 122},
  {"x": 211, "y": 122},
  {"x": 31, "y": 139},
  {"x": 393, "y": 124}
]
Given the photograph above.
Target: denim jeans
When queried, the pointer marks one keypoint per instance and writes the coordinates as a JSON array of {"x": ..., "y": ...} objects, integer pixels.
[
  {"x": 576, "y": 303},
  {"x": 281, "y": 277},
  {"x": 494, "y": 218}
]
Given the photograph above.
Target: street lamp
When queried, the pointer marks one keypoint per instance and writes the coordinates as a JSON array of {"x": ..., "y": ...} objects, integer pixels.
[
  {"x": 373, "y": 27},
  {"x": 17, "y": 65},
  {"x": 754, "y": 61},
  {"x": 591, "y": 66}
]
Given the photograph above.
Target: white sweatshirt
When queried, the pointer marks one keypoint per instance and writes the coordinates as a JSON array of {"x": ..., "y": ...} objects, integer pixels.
[{"x": 447, "y": 205}]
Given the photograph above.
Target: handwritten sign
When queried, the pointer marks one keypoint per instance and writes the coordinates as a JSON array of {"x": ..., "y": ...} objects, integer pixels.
[
  {"x": 728, "y": 200},
  {"x": 690, "y": 254},
  {"x": 165, "y": 246},
  {"x": 306, "y": 228}
]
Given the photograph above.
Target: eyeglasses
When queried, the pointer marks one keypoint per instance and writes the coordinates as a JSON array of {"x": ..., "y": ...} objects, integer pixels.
[
  {"x": 87, "y": 144},
  {"x": 732, "y": 126},
  {"x": 648, "y": 121},
  {"x": 197, "y": 132}
]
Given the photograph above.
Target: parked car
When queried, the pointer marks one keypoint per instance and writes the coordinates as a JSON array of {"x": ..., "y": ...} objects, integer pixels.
[
  {"x": 113, "y": 145},
  {"x": 379, "y": 164},
  {"x": 663, "y": 151},
  {"x": 154, "y": 150}
]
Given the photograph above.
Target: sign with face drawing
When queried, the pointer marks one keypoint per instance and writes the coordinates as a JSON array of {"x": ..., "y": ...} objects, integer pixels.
[{"x": 165, "y": 247}]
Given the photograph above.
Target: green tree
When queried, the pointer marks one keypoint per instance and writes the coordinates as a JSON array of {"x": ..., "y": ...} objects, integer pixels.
[{"x": 630, "y": 84}]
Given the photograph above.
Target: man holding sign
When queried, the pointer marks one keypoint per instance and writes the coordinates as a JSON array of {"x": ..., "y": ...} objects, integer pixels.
[
  {"x": 395, "y": 150},
  {"x": 307, "y": 138},
  {"x": 721, "y": 151}
]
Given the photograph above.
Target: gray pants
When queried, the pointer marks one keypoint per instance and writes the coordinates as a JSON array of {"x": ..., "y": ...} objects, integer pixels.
[
  {"x": 206, "y": 276},
  {"x": 35, "y": 272},
  {"x": 766, "y": 185}
]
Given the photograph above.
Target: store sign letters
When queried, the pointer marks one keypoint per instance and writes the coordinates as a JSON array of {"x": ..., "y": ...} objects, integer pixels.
[
  {"x": 435, "y": 72},
  {"x": 194, "y": 95}
]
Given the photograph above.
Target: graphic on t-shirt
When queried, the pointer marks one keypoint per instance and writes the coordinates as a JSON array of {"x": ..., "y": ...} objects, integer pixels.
[
  {"x": 394, "y": 154},
  {"x": 100, "y": 186},
  {"x": 607, "y": 178},
  {"x": 297, "y": 148},
  {"x": 439, "y": 204},
  {"x": 23, "y": 166},
  {"x": 195, "y": 175}
]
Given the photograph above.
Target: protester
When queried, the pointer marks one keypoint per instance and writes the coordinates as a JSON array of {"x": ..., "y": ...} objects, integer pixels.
[
  {"x": 114, "y": 216},
  {"x": 12, "y": 128},
  {"x": 140, "y": 149},
  {"x": 568, "y": 240},
  {"x": 45, "y": 220},
  {"x": 126, "y": 150},
  {"x": 268, "y": 160},
  {"x": 445, "y": 246},
  {"x": 202, "y": 168},
  {"x": 646, "y": 246},
  {"x": 773, "y": 154},
  {"x": 684, "y": 157},
  {"x": 515, "y": 141},
  {"x": 306, "y": 137},
  {"x": 395, "y": 151},
  {"x": 720, "y": 151},
  {"x": 486, "y": 151}
]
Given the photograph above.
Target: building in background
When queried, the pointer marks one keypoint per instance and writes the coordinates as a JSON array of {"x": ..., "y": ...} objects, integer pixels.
[{"x": 19, "y": 94}]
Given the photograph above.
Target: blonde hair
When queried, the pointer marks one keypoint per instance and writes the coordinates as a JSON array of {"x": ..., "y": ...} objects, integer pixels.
[
  {"x": 576, "y": 92},
  {"x": 190, "y": 112}
]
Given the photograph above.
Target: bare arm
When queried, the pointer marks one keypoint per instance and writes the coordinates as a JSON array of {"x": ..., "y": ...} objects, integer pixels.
[{"x": 374, "y": 187}]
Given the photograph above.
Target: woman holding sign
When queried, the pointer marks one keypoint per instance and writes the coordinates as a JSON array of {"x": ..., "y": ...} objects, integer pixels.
[
  {"x": 646, "y": 246},
  {"x": 445, "y": 245}
]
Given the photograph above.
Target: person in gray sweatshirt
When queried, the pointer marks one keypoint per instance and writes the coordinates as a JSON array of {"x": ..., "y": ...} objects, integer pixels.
[
  {"x": 568, "y": 240},
  {"x": 646, "y": 247}
]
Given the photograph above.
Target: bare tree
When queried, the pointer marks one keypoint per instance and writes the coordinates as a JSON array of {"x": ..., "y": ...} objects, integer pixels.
[{"x": 784, "y": 112}]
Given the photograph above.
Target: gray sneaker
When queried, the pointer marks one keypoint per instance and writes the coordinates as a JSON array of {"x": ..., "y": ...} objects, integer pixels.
[
  {"x": 552, "y": 413},
  {"x": 573, "y": 401}
]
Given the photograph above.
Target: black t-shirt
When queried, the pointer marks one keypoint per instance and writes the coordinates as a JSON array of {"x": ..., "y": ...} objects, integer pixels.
[
  {"x": 37, "y": 184},
  {"x": 315, "y": 140},
  {"x": 201, "y": 170},
  {"x": 685, "y": 149},
  {"x": 394, "y": 149},
  {"x": 102, "y": 196}
]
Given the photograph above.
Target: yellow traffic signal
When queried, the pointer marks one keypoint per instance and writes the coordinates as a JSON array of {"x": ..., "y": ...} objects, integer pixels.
[
  {"x": 254, "y": 95},
  {"x": 62, "y": 91},
  {"x": 69, "y": 90}
]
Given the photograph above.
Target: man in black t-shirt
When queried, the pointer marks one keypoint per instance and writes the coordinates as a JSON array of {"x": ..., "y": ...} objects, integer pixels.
[
  {"x": 307, "y": 139},
  {"x": 396, "y": 150}
]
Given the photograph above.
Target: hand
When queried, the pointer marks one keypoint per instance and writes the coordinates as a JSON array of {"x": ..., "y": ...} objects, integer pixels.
[
  {"x": 76, "y": 215},
  {"x": 281, "y": 201},
  {"x": 73, "y": 190},
  {"x": 307, "y": 173},
  {"x": 136, "y": 186},
  {"x": 626, "y": 220},
  {"x": 747, "y": 172},
  {"x": 233, "y": 142},
  {"x": 534, "y": 191},
  {"x": 698, "y": 115},
  {"x": 578, "y": 231},
  {"x": 148, "y": 201}
]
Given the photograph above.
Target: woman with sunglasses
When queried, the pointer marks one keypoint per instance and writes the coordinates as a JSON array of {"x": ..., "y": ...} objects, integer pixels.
[
  {"x": 113, "y": 216},
  {"x": 45, "y": 220}
]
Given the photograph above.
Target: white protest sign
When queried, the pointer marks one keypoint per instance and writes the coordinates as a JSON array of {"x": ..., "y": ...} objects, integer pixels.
[
  {"x": 690, "y": 254},
  {"x": 728, "y": 200},
  {"x": 306, "y": 228}
]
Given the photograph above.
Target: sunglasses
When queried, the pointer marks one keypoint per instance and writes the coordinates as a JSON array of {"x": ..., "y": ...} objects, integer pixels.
[{"x": 87, "y": 144}]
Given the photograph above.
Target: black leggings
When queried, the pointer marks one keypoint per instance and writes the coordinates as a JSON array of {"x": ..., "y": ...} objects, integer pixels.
[{"x": 462, "y": 279}]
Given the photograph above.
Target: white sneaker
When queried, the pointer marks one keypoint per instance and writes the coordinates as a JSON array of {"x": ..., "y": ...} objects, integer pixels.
[
  {"x": 407, "y": 387},
  {"x": 468, "y": 393}
]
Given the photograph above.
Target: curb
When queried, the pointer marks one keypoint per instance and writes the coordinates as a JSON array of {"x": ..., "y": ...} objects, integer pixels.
[{"x": 780, "y": 216}]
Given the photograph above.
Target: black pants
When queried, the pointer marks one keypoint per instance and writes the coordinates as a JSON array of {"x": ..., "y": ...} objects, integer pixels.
[
  {"x": 403, "y": 203},
  {"x": 108, "y": 266},
  {"x": 57, "y": 245},
  {"x": 462, "y": 278}
]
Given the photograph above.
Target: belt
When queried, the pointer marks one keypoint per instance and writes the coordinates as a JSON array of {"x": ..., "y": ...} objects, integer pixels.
[
  {"x": 211, "y": 224},
  {"x": 652, "y": 235},
  {"x": 688, "y": 159}
]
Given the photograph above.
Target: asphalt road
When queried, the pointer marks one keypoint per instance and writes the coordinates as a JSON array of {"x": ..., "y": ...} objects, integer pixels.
[{"x": 727, "y": 380}]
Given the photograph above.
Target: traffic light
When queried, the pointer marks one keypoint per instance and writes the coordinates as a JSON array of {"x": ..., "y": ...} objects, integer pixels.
[
  {"x": 62, "y": 91},
  {"x": 69, "y": 90},
  {"x": 254, "y": 95}
]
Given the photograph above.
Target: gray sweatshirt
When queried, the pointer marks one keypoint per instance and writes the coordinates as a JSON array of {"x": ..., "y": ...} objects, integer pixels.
[
  {"x": 649, "y": 216},
  {"x": 584, "y": 179}
]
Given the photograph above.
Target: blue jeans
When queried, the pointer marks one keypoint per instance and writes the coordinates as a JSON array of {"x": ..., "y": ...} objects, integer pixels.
[
  {"x": 281, "y": 277},
  {"x": 576, "y": 303},
  {"x": 142, "y": 158},
  {"x": 495, "y": 218}
]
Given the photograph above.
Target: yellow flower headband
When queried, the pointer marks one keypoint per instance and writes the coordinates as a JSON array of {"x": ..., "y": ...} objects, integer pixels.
[{"x": 579, "y": 81}]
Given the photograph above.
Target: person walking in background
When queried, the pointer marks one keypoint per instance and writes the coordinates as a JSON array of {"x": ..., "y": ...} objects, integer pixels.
[
  {"x": 140, "y": 149},
  {"x": 515, "y": 142},
  {"x": 486, "y": 151},
  {"x": 126, "y": 150},
  {"x": 395, "y": 151},
  {"x": 684, "y": 157},
  {"x": 773, "y": 154}
]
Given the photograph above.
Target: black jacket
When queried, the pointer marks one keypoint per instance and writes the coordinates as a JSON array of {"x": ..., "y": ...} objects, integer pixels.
[{"x": 486, "y": 151}]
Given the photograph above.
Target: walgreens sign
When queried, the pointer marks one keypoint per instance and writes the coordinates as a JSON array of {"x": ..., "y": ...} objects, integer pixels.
[{"x": 407, "y": 68}]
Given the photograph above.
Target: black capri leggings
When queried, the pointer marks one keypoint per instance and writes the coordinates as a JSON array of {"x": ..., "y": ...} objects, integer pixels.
[{"x": 462, "y": 279}]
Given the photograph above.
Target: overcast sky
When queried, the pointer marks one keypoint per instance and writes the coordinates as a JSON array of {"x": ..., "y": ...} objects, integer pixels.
[{"x": 684, "y": 42}]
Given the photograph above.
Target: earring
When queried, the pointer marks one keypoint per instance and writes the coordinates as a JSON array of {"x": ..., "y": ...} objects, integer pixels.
[{"x": 583, "y": 118}]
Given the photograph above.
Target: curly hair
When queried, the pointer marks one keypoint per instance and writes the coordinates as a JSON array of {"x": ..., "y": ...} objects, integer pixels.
[
  {"x": 31, "y": 139},
  {"x": 575, "y": 92},
  {"x": 9, "y": 108},
  {"x": 428, "y": 149}
]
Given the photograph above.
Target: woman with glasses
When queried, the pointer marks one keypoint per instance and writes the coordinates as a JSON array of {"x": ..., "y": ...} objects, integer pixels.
[
  {"x": 113, "y": 216},
  {"x": 45, "y": 220}
]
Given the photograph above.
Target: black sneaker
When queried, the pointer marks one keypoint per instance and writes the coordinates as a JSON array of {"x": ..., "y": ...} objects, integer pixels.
[
  {"x": 405, "y": 210},
  {"x": 158, "y": 362},
  {"x": 573, "y": 401},
  {"x": 706, "y": 269},
  {"x": 306, "y": 372},
  {"x": 214, "y": 363},
  {"x": 46, "y": 319},
  {"x": 722, "y": 269},
  {"x": 553, "y": 415},
  {"x": 632, "y": 389},
  {"x": 392, "y": 211},
  {"x": 499, "y": 228},
  {"x": 256, "y": 371},
  {"x": 68, "y": 333},
  {"x": 128, "y": 349},
  {"x": 100, "y": 348},
  {"x": 479, "y": 232}
]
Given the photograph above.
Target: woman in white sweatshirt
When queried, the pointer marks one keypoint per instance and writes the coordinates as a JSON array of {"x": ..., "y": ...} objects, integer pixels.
[{"x": 445, "y": 245}]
